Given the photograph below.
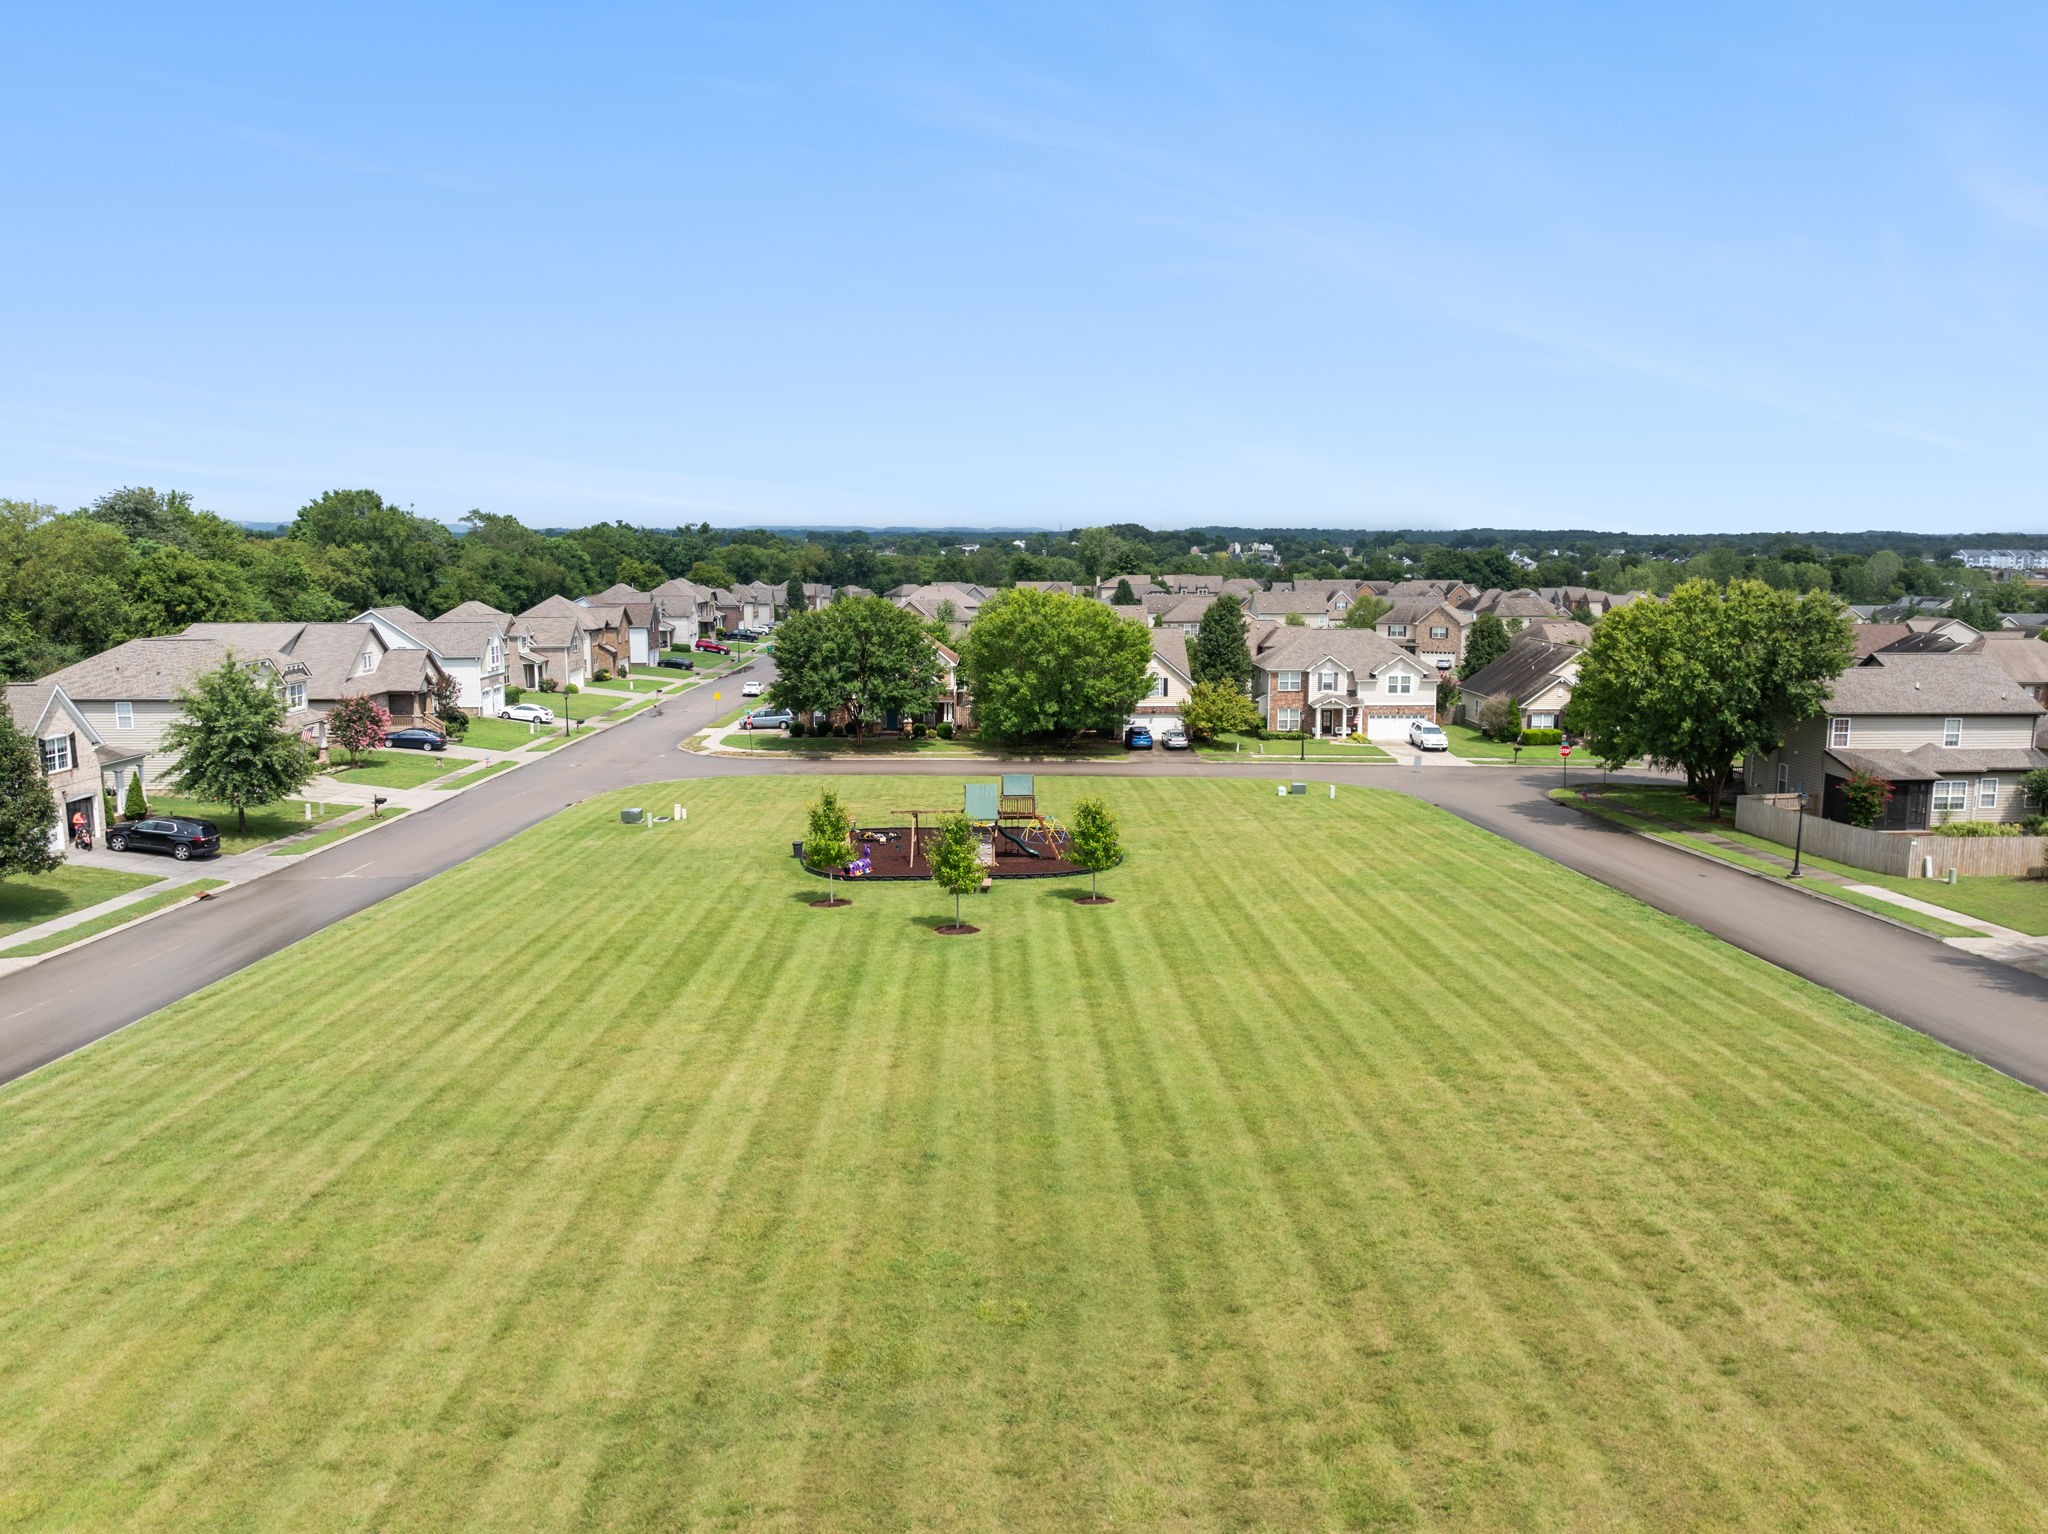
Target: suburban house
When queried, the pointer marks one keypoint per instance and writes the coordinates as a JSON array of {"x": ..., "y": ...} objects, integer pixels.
[
  {"x": 1317, "y": 609},
  {"x": 647, "y": 629},
  {"x": 1168, "y": 673},
  {"x": 1953, "y": 734},
  {"x": 475, "y": 644},
  {"x": 604, "y": 645},
  {"x": 1182, "y": 614},
  {"x": 318, "y": 664},
  {"x": 2020, "y": 656},
  {"x": 554, "y": 646},
  {"x": 954, "y": 706},
  {"x": 1508, "y": 606},
  {"x": 758, "y": 604},
  {"x": 687, "y": 607},
  {"x": 1338, "y": 682},
  {"x": 1433, "y": 631},
  {"x": 80, "y": 767},
  {"x": 927, "y": 601},
  {"x": 1536, "y": 673}
]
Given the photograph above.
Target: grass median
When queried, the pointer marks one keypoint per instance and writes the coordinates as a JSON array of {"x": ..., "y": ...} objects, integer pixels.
[
  {"x": 118, "y": 917},
  {"x": 1230, "y": 1205},
  {"x": 31, "y": 900},
  {"x": 336, "y": 833}
]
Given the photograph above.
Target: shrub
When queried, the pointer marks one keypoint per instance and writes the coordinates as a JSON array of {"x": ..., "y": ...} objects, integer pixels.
[
  {"x": 1542, "y": 737},
  {"x": 600, "y": 675},
  {"x": 455, "y": 721},
  {"x": 946, "y": 730},
  {"x": 570, "y": 687},
  {"x": 796, "y": 729},
  {"x": 1979, "y": 828},
  {"x": 549, "y": 684},
  {"x": 1501, "y": 719},
  {"x": 1865, "y": 795},
  {"x": 513, "y": 693},
  {"x": 136, "y": 805}
]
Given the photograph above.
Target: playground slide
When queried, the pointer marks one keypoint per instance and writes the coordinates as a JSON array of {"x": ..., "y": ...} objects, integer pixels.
[{"x": 1019, "y": 842}]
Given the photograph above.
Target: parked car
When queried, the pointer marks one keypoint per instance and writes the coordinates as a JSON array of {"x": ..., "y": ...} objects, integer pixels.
[
  {"x": 1425, "y": 736},
  {"x": 743, "y": 634},
  {"x": 751, "y": 690},
  {"x": 1175, "y": 739},
  {"x": 1138, "y": 738},
  {"x": 713, "y": 647},
  {"x": 767, "y": 719},
  {"x": 416, "y": 739},
  {"x": 529, "y": 713},
  {"x": 182, "y": 839},
  {"x": 678, "y": 663}
]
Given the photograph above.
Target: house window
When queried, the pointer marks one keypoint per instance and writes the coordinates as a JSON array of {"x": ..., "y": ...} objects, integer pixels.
[
  {"x": 1287, "y": 681},
  {"x": 1951, "y": 796},
  {"x": 295, "y": 695},
  {"x": 1987, "y": 793},
  {"x": 1439, "y": 631},
  {"x": 1400, "y": 683},
  {"x": 1838, "y": 732},
  {"x": 365, "y": 663},
  {"x": 1326, "y": 681},
  {"x": 57, "y": 754},
  {"x": 1951, "y": 732},
  {"x": 1543, "y": 721},
  {"x": 1397, "y": 631},
  {"x": 124, "y": 716},
  {"x": 1287, "y": 719},
  {"x": 1159, "y": 687},
  {"x": 1784, "y": 778}
]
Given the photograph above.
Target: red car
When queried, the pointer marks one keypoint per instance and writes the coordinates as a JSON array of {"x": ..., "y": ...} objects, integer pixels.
[{"x": 714, "y": 647}]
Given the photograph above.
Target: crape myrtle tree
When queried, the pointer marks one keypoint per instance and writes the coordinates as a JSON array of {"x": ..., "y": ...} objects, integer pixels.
[
  {"x": 1709, "y": 676},
  {"x": 1043, "y": 664},
  {"x": 1864, "y": 796},
  {"x": 1486, "y": 643},
  {"x": 1096, "y": 842},
  {"x": 956, "y": 865},
  {"x": 1221, "y": 651},
  {"x": 828, "y": 842},
  {"x": 447, "y": 693},
  {"x": 28, "y": 810},
  {"x": 357, "y": 724},
  {"x": 864, "y": 655},
  {"x": 1218, "y": 708},
  {"x": 230, "y": 743}
]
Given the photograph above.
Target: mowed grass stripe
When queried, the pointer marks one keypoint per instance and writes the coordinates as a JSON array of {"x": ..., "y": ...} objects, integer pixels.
[{"x": 601, "y": 1182}]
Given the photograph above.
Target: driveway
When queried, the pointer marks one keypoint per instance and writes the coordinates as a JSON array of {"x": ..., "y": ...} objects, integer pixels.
[{"x": 1989, "y": 1010}]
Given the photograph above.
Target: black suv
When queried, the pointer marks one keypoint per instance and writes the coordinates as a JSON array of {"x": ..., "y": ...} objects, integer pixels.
[{"x": 182, "y": 839}]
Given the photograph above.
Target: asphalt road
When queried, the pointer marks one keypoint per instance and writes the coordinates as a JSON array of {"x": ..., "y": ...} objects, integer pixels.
[{"x": 1988, "y": 1010}]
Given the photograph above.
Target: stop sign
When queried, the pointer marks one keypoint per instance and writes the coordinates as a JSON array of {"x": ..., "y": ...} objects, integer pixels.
[{"x": 1564, "y": 751}]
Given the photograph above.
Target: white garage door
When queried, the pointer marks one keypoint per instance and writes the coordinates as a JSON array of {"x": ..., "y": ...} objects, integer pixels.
[{"x": 1390, "y": 728}]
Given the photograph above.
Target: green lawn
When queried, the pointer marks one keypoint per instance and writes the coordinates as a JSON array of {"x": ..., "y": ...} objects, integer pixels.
[
  {"x": 1237, "y": 746},
  {"x": 1234, "y": 1205},
  {"x": 474, "y": 777},
  {"x": 1468, "y": 742},
  {"x": 120, "y": 916},
  {"x": 267, "y": 824},
  {"x": 28, "y": 901},
  {"x": 830, "y": 745},
  {"x": 336, "y": 833},
  {"x": 402, "y": 769},
  {"x": 2021, "y": 904},
  {"x": 582, "y": 705},
  {"x": 645, "y": 681},
  {"x": 499, "y": 734}
]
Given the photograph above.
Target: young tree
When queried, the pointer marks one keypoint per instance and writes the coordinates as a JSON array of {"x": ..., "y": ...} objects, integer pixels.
[
  {"x": 956, "y": 866},
  {"x": 28, "y": 810},
  {"x": 231, "y": 744},
  {"x": 1040, "y": 663},
  {"x": 1366, "y": 611},
  {"x": 1501, "y": 719},
  {"x": 794, "y": 600},
  {"x": 828, "y": 842},
  {"x": 864, "y": 655},
  {"x": 1220, "y": 652},
  {"x": 447, "y": 695},
  {"x": 1709, "y": 676},
  {"x": 136, "y": 804},
  {"x": 1123, "y": 596},
  {"x": 1864, "y": 795},
  {"x": 357, "y": 724},
  {"x": 1486, "y": 643},
  {"x": 1218, "y": 708},
  {"x": 1096, "y": 843}
]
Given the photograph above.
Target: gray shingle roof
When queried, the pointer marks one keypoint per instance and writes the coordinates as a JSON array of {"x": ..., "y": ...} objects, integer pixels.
[
  {"x": 1958, "y": 683},
  {"x": 1283, "y": 648},
  {"x": 1529, "y": 666},
  {"x": 147, "y": 670},
  {"x": 1171, "y": 646},
  {"x": 2024, "y": 660},
  {"x": 1925, "y": 762}
]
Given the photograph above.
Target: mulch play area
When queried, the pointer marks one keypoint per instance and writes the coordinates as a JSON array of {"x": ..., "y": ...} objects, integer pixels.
[{"x": 887, "y": 853}]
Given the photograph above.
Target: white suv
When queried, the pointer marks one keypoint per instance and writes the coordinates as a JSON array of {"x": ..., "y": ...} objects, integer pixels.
[{"x": 1425, "y": 736}]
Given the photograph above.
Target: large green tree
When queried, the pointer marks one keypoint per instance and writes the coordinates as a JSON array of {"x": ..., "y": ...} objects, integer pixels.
[
  {"x": 1708, "y": 676},
  {"x": 1485, "y": 642},
  {"x": 1042, "y": 664},
  {"x": 1218, "y": 708},
  {"x": 403, "y": 554},
  {"x": 1366, "y": 611},
  {"x": 230, "y": 743},
  {"x": 28, "y": 810},
  {"x": 864, "y": 655},
  {"x": 1221, "y": 652}
]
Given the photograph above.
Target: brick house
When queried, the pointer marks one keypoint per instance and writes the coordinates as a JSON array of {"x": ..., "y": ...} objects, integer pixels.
[
  {"x": 1433, "y": 631},
  {"x": 80, "y": 767},
  {"x": 1338, "y": 682}
]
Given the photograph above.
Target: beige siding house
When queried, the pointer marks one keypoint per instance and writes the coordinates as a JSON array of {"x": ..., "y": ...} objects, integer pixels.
[{"x": 79, "y": 766}]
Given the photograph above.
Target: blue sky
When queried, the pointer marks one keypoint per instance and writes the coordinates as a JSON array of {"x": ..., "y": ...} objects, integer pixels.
[{"x": 1626, "y": 266}]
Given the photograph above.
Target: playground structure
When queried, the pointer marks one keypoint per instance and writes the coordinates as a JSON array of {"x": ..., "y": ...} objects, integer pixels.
[{"x": 1017, "y": 839}]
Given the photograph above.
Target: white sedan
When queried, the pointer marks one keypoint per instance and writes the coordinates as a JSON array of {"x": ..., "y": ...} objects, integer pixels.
[
  {"x": 529, "y": 713},
  {"x": 751, "y": 690}
]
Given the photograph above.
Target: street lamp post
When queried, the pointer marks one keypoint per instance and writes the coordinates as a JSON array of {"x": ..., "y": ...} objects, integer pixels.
[{"x": 1798, "y": 833}]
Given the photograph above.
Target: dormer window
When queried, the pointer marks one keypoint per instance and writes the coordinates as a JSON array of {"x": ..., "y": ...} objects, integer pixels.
[
  {"x": 294, "y": 694},
  {"x": 366, "y": 662}
]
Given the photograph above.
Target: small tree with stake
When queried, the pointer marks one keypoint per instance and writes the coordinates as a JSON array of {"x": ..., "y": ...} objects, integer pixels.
[
  {"x": 1096, "y": 844},
  {"x": 828, "y": 844},
  {"x": 956, "y": 868},
  {"x": 357, "y": 724}
]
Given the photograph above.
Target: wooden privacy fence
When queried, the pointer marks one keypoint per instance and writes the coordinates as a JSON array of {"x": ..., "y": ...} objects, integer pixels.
[{"x": 1890, "y": 852}]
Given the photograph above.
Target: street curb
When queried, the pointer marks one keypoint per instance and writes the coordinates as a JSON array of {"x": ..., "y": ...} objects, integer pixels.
[
  {"x": 16, "y": 965},
  {"x": 1808, "y": 890}
]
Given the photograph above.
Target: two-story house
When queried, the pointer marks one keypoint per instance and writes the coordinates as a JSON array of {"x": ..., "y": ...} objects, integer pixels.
[
  {"x": 80, "y": 767},
  {"x": 1168, "y": 675},
  {"x": 475, "y": 644},
  {"x": 1433, "y": 631},
  {"x": 1337, "y": 682},
  {"x": 1952, "y": 733},
  {"x": 317, "y": 664},
  {"x": 603, "y": 643},
  {"x": 647, "y": 626}
]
